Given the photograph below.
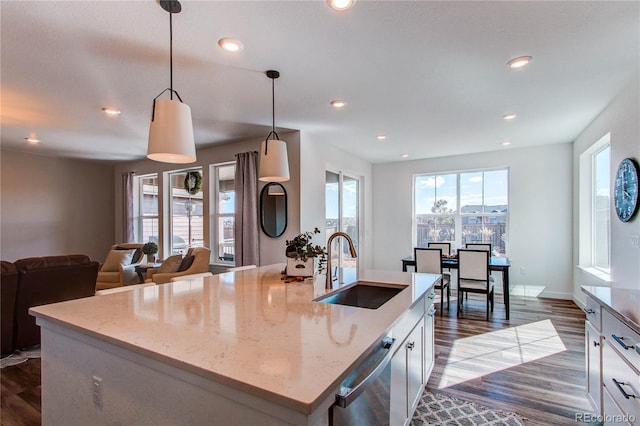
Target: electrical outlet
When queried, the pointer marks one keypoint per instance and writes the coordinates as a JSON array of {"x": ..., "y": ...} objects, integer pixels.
[
  {"x": 97, "y": 391},
  {"x": 635, "y": 241},
  {"x": 523, "y": 271}
]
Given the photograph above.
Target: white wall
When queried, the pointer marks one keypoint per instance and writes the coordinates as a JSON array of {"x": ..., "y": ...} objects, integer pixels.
[
  {"x": 620, "y": 118},
  {"x": 540, "y": 230},
  {"x": 271, "y": 249},
  {"x": 315, "y": 159},
  {"x": 53, "y": 206}
]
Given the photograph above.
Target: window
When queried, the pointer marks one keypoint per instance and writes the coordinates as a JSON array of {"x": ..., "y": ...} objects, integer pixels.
[
  {"x": 342, "y": 214},
  {"x": 594, "y": 208},
  {"x": 186, "y": 214},
  {"x": 224, "y": 212},
  {"x": 148, "y": 208},
  {"x": 460, "y": 208},
  {"x": 601, "y": 205}
]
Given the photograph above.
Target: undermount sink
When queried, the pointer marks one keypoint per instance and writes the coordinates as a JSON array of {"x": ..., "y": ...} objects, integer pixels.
[{"x": 363, "y": 294}]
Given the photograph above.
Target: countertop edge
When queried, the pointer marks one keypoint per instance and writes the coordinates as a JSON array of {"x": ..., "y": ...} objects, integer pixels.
[{"x": 624, "y": 319}]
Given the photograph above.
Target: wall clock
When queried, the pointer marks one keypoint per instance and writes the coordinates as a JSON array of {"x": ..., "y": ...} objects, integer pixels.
[{"x": 625, "y": 192}]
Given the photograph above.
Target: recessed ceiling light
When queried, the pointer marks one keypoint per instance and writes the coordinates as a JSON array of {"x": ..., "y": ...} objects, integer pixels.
[
  {"x": 340, "y": 4},
  {"x": 32, "y": 140},
  {"x": 230, "y": 44},
  {"x": 510, "y": 116},
  {"x": 110, "y": 111},
  {"x": 519, "y": 62},
  {"x": 338, "y": 103},
  {"x": 405, "y": 156},
  {"x": 382, "y": 137},
  {"x": 505, "y": 143}
]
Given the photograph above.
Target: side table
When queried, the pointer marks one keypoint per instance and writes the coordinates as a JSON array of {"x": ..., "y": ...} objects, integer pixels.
[{"x": 141, "y": 269}]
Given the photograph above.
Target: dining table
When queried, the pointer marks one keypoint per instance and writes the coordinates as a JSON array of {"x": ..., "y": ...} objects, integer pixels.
[{"x": 499, "y": 264}]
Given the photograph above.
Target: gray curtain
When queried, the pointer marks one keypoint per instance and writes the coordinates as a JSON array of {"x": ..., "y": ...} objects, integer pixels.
[
  {"x": 128, "y": 217},
  {"x": 247, "y": 248}
]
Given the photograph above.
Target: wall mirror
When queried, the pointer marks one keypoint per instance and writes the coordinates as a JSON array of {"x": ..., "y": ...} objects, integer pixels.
[{"x": 273, "y": 209}]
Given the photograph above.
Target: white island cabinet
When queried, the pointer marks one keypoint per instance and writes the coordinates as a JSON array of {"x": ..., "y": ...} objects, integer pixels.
[
  {"x": 612, "y": 354},
  {"x": 240, "y": 348}
]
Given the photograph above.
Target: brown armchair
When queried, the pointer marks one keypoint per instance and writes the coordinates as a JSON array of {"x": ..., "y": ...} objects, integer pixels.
[
  {"x": 196, "y": 261},
  {"x": 119, "y": 269}
]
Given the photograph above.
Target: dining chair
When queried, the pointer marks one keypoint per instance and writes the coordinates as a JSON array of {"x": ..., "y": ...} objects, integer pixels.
[
  {"x": 429, "y": 260},
  {"x": 474, "y": 277},
  {"x": 446, "y": 247},
  {"x": 479, "y": 246}
]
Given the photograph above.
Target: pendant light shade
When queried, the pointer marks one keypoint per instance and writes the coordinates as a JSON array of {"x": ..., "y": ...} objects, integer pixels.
[
  {"x": 171, "y": 130},
  {"x": 171, "y": 133},
  {"x": 274, "y": 161}
]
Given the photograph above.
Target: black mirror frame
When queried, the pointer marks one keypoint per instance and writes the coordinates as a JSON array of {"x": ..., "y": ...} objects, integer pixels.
[{"x": 263, "y": 194}]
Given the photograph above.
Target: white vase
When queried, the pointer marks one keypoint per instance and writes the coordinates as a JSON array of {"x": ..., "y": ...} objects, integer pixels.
[{"x": 298, "y": 268}]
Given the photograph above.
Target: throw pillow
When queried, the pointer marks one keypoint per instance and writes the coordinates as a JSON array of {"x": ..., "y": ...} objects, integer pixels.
[
  {"x": 170, "y": 264},
  {"x": 187, "y": 261},
  {"x": 115, "y": 258}
]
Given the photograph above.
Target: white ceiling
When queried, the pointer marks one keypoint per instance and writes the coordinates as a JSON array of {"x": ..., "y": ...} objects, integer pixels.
[{"x": 430, "y": 75}]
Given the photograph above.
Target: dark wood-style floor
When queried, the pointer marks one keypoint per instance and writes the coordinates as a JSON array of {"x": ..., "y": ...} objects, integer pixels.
[{"x": 532, "y": 364}]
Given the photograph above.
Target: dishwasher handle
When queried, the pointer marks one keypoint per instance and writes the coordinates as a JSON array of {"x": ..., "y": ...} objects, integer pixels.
[{"x": 347, "y": 395}]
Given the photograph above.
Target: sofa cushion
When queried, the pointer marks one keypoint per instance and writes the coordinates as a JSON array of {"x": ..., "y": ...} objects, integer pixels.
[
  {"x": 115, "y": 258},
  {"x": 137, "y": 253},
  {"x": 186, "y": 263},
  {"x": 171, "y": 264}
]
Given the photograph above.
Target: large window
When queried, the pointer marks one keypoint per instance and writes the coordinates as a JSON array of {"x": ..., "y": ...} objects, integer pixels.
[
  {"x": 186, "y": 214},
  {"x": 601, "y": 208},
  {"x": 342, "y": 214},
  {"x": 148, "y": 208},
  {"x": 463, "y": 207},
  {"x": 224, "y": 210}
]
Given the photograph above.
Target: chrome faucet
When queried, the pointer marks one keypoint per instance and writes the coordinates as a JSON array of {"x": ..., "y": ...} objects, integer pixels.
[{"x": 352, "y": 249}]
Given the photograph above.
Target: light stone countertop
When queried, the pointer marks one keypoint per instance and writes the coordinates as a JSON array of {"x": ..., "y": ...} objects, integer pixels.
[
  {"x": 246, "y": 329},
  {"x": 622, "y": 303}
]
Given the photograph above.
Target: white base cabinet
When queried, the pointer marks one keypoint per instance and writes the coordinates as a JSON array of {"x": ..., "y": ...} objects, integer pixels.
[
  {"x": 612, "y": 356},
  {"x": 411, "y": 366}
]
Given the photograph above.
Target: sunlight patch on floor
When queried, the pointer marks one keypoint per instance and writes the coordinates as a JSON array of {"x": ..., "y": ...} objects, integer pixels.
[
  {"x": 526, "y": 290},
  {"x": 476, "y": 356}
]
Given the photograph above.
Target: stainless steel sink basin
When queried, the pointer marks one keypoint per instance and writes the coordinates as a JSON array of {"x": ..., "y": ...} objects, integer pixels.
[{"x": 363, "y": 294}]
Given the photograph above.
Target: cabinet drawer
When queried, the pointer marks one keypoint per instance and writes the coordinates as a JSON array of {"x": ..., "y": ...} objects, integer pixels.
[
  {"x": 621, "y": 382},
  {"x": 593, "y": 311},
  {"x": 622, "y": 338},
  {"x": 613, "y": 414}
]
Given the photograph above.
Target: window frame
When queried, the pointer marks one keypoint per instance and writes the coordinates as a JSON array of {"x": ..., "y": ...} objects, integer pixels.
[
  {"x": 139, "y": 213},
  {"x": 215, "y": 214}
]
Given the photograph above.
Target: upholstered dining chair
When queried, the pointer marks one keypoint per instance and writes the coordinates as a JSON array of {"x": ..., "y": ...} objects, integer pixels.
[
  {"x": 474, "y": 277},
  {"x": 479, "y": 246},
  {"x": 445, "y": 247},
  {"x": 429, "y": 260}
]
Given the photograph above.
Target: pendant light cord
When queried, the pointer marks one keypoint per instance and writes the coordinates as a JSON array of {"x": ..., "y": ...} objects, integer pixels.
[
  {"x": 171, "y": 55},
  {"x": 273, "y": 106}
]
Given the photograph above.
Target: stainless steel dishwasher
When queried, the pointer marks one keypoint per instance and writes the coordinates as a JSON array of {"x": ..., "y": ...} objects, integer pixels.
[{"x": 364, "y": 397}]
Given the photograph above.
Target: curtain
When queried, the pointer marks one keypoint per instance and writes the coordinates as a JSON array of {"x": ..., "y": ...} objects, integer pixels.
[
  {"x": 128, "y": 213},
  {"x": 247, "y": 248}
]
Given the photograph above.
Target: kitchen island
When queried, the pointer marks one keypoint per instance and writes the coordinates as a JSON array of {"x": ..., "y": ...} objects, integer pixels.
[{"x": 238, "y": 348}]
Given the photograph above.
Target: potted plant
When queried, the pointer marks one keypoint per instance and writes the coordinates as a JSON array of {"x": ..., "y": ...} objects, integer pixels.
[
  {"x": 304, "y": 259},
  {"x": 150, "y": 249}
]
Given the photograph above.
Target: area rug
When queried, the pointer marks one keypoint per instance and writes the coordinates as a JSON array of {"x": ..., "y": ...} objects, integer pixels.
[
  {"x": 19, "y": 357},
  {"x": 438, "y": 409}
]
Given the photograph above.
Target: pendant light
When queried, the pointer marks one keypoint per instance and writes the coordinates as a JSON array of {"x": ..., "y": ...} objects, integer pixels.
[
  {"x": 274, "y": 162},
  {"x": 171, "y": 129}
]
